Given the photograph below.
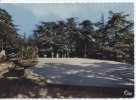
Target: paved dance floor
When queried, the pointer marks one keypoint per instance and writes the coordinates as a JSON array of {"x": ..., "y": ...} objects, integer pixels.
[{"x": 85, "y": 72}]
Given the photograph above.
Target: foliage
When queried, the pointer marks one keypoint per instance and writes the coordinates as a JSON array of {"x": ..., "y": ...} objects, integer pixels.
[
  {"x": 27, "y": 52},
  {"x": 111, "y": 39},
  {"x": 14, "y": 44},
  {"x": 8, "y": 32}
]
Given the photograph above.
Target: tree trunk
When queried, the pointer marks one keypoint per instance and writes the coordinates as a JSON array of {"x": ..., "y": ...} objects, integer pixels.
[{"x": 85, "y": 49}]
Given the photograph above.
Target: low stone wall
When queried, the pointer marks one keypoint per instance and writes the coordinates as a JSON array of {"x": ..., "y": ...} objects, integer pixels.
[{"x": 4, "y": 67}]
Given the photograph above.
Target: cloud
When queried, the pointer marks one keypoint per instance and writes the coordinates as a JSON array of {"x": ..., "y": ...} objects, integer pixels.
[
  {"x": 83, "y": 11},
  {"x": 54, "y": 11},
  {"x": 28, "y": 15}
]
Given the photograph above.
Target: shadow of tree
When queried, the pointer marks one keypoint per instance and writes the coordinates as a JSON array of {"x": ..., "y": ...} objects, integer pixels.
[
  {"x": 69, "y": 91},
  {"x": 97, "y": 74},
  {"x": 26, "y": 88},
  {"x": 104, "y": 72},
  {"x": 11, "y": 88},
  {"x": 102, "y": 78}
]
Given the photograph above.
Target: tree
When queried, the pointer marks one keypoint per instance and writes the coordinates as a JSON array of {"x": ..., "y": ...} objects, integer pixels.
[
  {"x": 112, "y": 39},
  {"x": 8, "y": 31},
  {"x": 87, "y": 40},
  {"x": 119, "y": 31},
  {"x": 45, "y": 34},
  {"x": 71, "y": 36}
]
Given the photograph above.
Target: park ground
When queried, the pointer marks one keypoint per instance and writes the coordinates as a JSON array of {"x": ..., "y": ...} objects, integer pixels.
[{"x": 37, "y": 86}]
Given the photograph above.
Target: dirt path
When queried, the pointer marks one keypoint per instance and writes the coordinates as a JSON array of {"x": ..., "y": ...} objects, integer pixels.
[
  {"x": 85, "y": 72},
  {"x": 35, "y": 87}
]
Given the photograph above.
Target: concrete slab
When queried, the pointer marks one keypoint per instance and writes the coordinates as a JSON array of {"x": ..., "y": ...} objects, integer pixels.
[{"x": 85, "y": 72}]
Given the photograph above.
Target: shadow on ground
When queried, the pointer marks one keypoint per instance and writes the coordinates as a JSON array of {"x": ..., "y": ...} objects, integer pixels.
[
  {"x": 97, "y": 74},
  {"x": 26, "y": 88},
  {"x": 18, "y": 88},
  {"x": 99, "y": 79},
  {"x": 29, "y": 88}
]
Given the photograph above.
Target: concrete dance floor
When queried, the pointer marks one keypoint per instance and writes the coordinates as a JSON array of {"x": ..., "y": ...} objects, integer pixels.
[{"x": 85, "y": 72}]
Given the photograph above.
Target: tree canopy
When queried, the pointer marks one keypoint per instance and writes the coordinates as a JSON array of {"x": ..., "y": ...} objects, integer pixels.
[
  {"x": 9, "y": 37},
  {"x": 111, "y": 39}
]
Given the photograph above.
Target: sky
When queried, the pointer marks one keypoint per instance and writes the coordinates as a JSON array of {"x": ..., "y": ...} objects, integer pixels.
[{"x": 27, "y": 16}]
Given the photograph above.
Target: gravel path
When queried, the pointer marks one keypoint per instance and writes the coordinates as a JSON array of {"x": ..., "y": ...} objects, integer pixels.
[{"x": 85, "y": 72}]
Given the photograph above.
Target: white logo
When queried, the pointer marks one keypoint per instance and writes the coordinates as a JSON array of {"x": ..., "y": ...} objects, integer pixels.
[{"x": 127, "y": 93}]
